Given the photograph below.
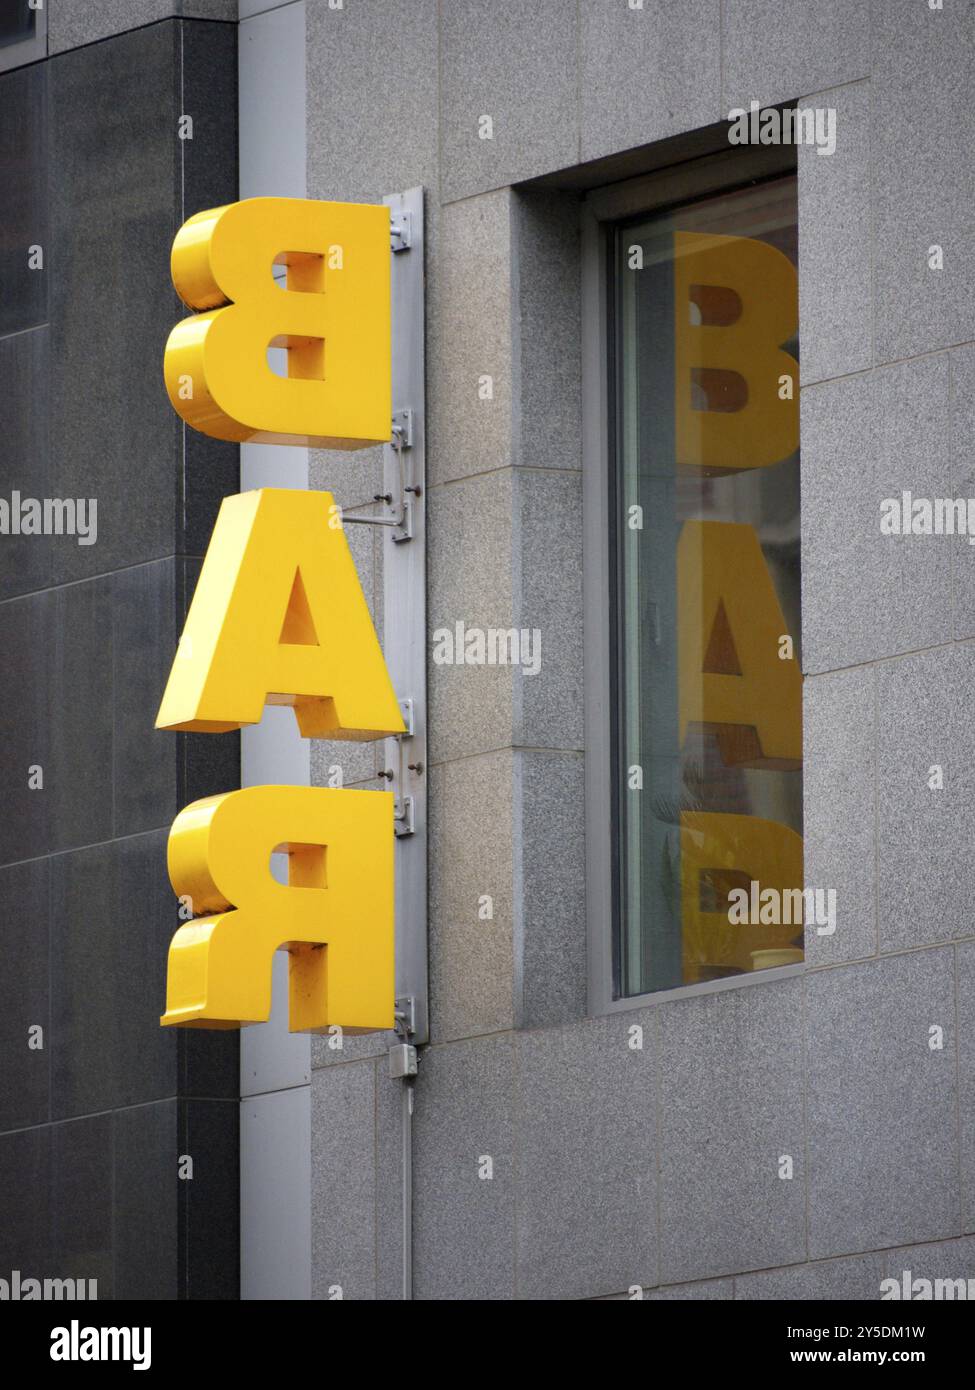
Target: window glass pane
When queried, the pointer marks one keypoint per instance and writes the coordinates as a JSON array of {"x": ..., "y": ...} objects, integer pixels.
[
  {"x": 708, "y": 718},
  {"x": 17, "y": 21}
]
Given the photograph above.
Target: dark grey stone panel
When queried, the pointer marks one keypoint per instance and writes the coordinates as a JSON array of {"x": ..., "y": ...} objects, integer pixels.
[
  {"x": 113, "y": 915},
  {"x": 81, "y": 1179},
  {"x": 209, "y": 1255},
  {"x": 25, "y": 458},
  {"x": 206, "y": 764},
  {"x": 25, "y": 727},
  {"x": 81, "y": 715},
  {"x": 207, "y": 469},
  {"x": 25, "y": 915},
  {"x": 208, "y": 1063},
  {"x": 23, "y": 177},
  {"x": 144, "y": 768},
  {"x": 27, "y": 1228},
  {"x": 114, "y": 203},
  {"x": 146, "y": 1191}
]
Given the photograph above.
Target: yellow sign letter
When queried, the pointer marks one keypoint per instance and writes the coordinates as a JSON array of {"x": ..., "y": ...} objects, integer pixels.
[
  {"x": 335, "y": 916},
  {"x": 279, "y": 617},
  {"x": 334, "y": 319}
]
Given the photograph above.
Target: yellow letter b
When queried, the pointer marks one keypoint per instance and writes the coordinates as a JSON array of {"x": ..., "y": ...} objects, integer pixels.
[{"x": 333, "y": 317}]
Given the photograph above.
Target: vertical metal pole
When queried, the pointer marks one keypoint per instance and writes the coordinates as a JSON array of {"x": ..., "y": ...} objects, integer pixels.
[
  {"x": 404, "y": 639},
  {"x": 404, "y": 610}
]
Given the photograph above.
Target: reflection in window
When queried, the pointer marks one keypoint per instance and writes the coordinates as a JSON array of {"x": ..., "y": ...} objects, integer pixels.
[
  {"x": 17, "y": 22},
  {"x": 708, "y": 717}
]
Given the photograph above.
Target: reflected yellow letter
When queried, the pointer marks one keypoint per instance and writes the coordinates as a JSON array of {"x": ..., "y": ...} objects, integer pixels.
[
  {"x": 334, "y": 319},
  {"x": 730, "y": 622},
  {"x": 735, "y": 304},
  {"x": 279, "y": 617},
  {"x": 720, "y": 852},
  {"x": 334, "y": 917}
]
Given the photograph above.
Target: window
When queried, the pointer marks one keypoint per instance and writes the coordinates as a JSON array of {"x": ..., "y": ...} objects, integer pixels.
[
  {"x": 705, "y": 678},
  {"x": 23, "y": 33}
]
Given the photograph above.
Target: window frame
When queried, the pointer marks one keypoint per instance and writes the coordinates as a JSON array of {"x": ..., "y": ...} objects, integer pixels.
[{"x": 602, "y": 211}]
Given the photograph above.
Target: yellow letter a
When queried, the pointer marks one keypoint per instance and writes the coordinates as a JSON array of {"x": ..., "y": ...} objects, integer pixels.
[
  {"x": 279, "y": 617},
  {"x": 730, "y": 623}
]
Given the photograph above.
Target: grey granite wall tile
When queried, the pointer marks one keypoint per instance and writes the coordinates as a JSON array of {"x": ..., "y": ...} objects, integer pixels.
[
  {"x": 847, "y": 1280},
  {"x": 326, "y": 1052},
  {"x": 546, "y": 688},
  {"x": 925, "y": 796},
  {"x": 372, "y": 98},
  {"x": 924, "y": 176},
  {"x": 547, "y": 329},
  {"x": 472, "y": 374},
  {"x": 924, "y": 61},
  {"x": 390, "y": 1102},
  {"x": 867, "y": 439},
  {"x": 773, "y": 52},
  {"x": 731, "y": 1119},
  {"x": 469, "y": 582},
  {"x": 965, "y": 967},
  {"x": 962, "y": 545},
  {"x": 463, "y": 1170},
  {"x": 839, "y": 809},
  {"x": 587, "y": 1219},
  {"x": 708, "y": 1290},
  {"x": 549, "y": 893},
  {"x": 471, "y": 878},
  {"x": 73, "y": 23},
  {"x": 647, "y": 73},
  {"x": 516, "y": 65},
  {"x": 836, "y": 243},
  {"x": 343, "y": 1167},
  {"x": 881, "y": 1103},
  {"x": 948, "y": 1260}
]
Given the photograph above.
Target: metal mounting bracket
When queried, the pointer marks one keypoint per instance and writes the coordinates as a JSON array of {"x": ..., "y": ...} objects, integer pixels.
[
  {"x": 400, "y": 230},
  {"x": 400, "y": 501}
]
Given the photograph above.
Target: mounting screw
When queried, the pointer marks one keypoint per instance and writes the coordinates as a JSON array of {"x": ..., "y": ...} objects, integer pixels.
[{"x": 415, "y": 767}]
